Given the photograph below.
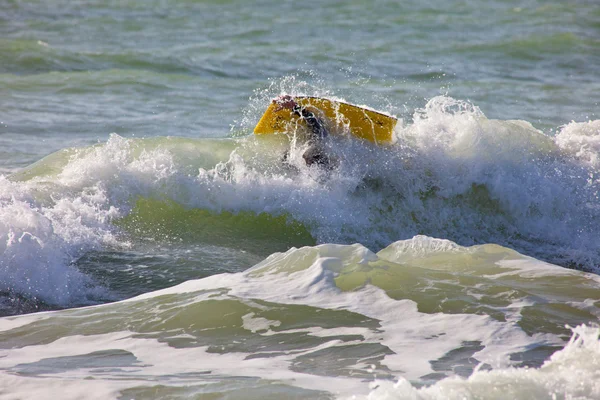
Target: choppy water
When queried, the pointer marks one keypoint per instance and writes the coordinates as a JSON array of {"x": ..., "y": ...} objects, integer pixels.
[{"x": 459, "y": 262}]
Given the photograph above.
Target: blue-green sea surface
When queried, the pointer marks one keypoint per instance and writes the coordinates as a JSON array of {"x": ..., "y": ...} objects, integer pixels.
[{"x": 152, "y": 247}]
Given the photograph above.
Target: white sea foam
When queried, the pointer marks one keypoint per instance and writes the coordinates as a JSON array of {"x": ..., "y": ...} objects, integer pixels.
[
  {"x": 571, "y": 373},
  {"x": 307, "y": 277},
  {"x": 582, "y": 140},
  {"x": 47, "y": 223},
  {"x": 255, "y": 324},
  {"x": 38, "y": 243},
  {"x": 452, "y": 174},
  {"x": 166, "y": 366}
]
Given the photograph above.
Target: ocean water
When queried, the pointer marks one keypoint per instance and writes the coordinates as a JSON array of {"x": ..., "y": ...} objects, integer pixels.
[{"x": 151, "y": 247}]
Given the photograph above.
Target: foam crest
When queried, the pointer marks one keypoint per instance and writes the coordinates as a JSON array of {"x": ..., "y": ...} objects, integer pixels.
[
  {"x": 420, "y": 246},
  {"x": 461, "y": 130},
  {"x": 461, "y": 147},
  {"x": 570, "y": 373},
  {"x": 120, "y": 167},
  {"x": 49, "y": 222},
  {"x": 38, "y": 244},
  {"x": 582, "y": 141},
  {"x": 511, "y": 176},
  {"x": 54, "y": 216}
]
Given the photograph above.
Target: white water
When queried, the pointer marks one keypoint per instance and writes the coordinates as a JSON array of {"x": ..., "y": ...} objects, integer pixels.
[
  {"x": 571, "y": 373},
  {"x": 453, "y": 173},
  {"x": 163, "y": 346}
]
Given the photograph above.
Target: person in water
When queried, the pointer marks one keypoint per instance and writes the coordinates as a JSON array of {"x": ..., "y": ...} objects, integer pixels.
[{"x": 315, "y": 154}]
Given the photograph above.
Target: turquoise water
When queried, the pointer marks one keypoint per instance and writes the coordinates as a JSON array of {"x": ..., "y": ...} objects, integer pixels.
[{"x": 446, "y": 265}]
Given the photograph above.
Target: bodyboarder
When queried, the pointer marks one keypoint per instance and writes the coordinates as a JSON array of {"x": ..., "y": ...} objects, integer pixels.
[{"x": 315, "y": 154}]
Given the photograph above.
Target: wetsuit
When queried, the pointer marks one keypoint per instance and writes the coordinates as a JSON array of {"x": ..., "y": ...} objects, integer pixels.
[{"x": 315, "y": 154}]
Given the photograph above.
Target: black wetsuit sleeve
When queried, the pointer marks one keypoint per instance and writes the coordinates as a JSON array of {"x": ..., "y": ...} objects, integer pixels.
[{"x": 313, "y": 122}]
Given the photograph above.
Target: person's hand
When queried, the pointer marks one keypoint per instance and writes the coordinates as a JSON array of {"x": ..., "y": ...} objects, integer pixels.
[{"x": 284, "y": 101}]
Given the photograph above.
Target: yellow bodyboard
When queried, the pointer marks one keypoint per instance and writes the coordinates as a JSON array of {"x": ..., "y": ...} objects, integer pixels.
[{"x": 338, "y": 117}]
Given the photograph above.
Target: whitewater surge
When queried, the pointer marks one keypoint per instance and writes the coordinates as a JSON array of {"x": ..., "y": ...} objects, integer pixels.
[
  {"x": 323, "y": 322},
  {"x": 452, "y": 173},
  {"x": 572, "y": 372},
  {"x": 40, "y": 242}
]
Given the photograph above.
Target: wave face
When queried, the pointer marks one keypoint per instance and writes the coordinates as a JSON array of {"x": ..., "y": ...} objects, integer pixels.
[
  {"x": 452, "y": 173},
  {"x": 323, "y": 321}
]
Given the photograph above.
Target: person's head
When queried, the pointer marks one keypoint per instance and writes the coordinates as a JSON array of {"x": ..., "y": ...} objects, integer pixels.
[{"x": 285, "y": 101}]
